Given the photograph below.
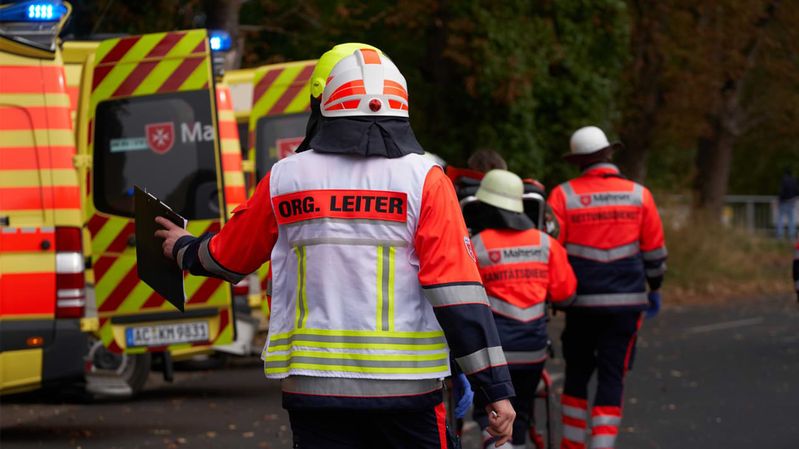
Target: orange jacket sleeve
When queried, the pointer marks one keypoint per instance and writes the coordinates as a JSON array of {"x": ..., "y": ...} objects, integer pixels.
[
  {"x": 244, "y": 243},
  {"x": 562, "y": 282}
]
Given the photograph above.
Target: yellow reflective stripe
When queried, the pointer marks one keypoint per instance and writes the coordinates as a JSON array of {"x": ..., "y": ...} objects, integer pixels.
[
  {"x": 335, "y": 345},
  {"x": 157, "y": 77},
  {"x": 36, "y": 178},
  {"x": 226, "y": 115},
  {"x": 356, "y": 369},
  {"x": 107, "y": 234},
  {"x": 443, "y": 357},
  {"x": 111, "y": 279},
  {"x": 36, "y": 137},
  {"x": 358, "y": 333},
  {"x": 35, "y": 100},
  {"x": 391, "y": 252},
  {"x": 279, "y": 86},
  {"x": 135, "y": 299},
  {"x": 233, "y": 179},
  {"x": 198, "y": 77},
  {"x": 301, "y": 102},
  {"x": 111, "y": 82},
  {"x": 379, "y": 315},
  {"x": 20, "y": 263},
  {"x": 302, "y": 306}
]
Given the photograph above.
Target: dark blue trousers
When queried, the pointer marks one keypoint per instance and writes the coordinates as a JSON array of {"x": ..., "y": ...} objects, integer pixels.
[{"x": 601, "y": 342}]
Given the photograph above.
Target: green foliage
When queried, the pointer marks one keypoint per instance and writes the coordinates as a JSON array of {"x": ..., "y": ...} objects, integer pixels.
[{"x": 516, "y": 76}]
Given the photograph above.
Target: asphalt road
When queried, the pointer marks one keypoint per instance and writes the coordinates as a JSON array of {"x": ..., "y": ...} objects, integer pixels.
[{"x": 706, "y": 376}]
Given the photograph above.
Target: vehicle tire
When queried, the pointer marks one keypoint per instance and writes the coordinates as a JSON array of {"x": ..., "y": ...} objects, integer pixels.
[{"x": 116, "y": 375}]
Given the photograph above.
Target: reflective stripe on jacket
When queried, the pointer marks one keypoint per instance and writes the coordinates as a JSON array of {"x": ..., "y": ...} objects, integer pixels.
[
  {"x": 373, "y": 278},
  {"x": 520, "y": 271},
  {"x": 613, "y": 236}
]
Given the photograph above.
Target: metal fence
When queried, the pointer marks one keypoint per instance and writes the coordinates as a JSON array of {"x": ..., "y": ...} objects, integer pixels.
[{"x": 755, "y": 213}]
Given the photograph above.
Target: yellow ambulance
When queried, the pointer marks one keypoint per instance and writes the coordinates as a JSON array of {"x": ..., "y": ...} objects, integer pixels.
[
  {"x": 147, "y": 115},
  {"x": 42, "y": 294}
]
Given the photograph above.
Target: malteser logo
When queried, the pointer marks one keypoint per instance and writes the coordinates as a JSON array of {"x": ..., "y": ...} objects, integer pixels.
[
  {"x": 160, "y": 136},
  {"x": 516, "y": 255},
  {"x": 606, "y": 199},
  {"x": 344, "y": 204}
]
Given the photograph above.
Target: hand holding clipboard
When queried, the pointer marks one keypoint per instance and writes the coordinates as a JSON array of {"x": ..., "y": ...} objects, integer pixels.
[{"x": 154, "y": 261}]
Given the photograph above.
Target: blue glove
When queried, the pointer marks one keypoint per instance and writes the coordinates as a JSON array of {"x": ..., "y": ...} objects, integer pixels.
[
  {"x": 654, "y": 304},
  {"x": 463, "y": 395}
]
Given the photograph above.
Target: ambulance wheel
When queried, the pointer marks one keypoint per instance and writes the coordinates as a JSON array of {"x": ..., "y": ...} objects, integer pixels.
[{"x": 117, "y": 375}]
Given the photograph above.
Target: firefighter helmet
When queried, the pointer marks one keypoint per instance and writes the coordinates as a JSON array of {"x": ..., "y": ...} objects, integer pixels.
[
  {"x": 365, "y": 83},
  {"x": 326, "y": 63},
  {"x": 502, "y": 189}
]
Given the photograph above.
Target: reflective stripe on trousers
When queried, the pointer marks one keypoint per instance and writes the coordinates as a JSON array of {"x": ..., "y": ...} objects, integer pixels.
[
  {"x": 574, "y": 416},
  {"x": 605, "y": 421},
  {"x": 517, "y": 313},
  {"x": 611, "y": 300}
]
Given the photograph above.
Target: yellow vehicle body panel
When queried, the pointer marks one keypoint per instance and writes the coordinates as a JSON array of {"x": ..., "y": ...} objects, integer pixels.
[{"x": 147, "y": 68}]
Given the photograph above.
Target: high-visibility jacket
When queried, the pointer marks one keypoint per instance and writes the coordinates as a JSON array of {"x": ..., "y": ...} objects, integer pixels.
[
  {"x": 374, "y": 280},
  {"x": 614, "y": 238},
  {"x": 521, "y": 270}
]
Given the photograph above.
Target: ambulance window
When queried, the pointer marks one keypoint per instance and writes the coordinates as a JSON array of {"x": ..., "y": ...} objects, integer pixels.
[
  {"x": 276, "y": 137},
  {"x": 164, "y": 143},
  {"x": 244, "y": 141}
]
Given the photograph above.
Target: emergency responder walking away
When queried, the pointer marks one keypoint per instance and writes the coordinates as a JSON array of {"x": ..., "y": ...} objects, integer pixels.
[
  {"x": 521, "y": 268},
  {"x": 373, "y": 272},
  {"x": 614, "y": 238}
]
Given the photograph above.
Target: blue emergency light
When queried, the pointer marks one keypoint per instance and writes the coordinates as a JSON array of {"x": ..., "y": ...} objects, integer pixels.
[
  {"x": 33, "y": 11},
  {"x": 220, "y": 40}
]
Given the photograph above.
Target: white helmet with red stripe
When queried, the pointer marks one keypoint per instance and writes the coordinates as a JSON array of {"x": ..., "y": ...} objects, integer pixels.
[{"x": 365, "y": 83}]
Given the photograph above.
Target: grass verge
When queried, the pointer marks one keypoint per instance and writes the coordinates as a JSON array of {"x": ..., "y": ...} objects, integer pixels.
[{"x": 714, "y": 262}]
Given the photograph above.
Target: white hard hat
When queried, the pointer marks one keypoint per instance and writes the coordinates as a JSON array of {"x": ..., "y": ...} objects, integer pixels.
[
  {"x": 502, "y": 189},
  {"x": 588, "y": 140},
  {"x": 365, "y": 83}
]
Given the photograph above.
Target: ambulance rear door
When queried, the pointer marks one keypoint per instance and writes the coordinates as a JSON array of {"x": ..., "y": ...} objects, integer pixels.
[{"x": 152, "y": 122}]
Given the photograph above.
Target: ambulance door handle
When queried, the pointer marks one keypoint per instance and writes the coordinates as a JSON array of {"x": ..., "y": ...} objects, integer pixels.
[{"x": 4, "y": 220}]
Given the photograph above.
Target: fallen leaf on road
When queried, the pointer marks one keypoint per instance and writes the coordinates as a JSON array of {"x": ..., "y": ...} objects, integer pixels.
[
  {"x": 231, "y": 426},
  {"x": 210, "y": 434},
  {"x": 161, "y": 431},
  {"x": 180, "y": 440},
  {"x": 248, "y": 434}
]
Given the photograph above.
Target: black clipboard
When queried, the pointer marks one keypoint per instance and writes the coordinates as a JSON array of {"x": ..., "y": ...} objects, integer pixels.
[{"x": 161, "y": 274}]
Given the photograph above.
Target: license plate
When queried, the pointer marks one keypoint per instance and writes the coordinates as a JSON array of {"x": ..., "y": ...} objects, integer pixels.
[{"x": 167, "y": 334}]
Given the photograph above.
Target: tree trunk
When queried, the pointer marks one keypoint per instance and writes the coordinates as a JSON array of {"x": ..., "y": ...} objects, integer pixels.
[
  {"x": 713, "y": 161},
  {"x": 224, "y": 15},
  {"x": 714, "y": 151}
]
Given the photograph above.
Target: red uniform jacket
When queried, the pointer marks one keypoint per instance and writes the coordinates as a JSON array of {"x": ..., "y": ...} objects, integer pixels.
[
  {"x": 613, "y": 236},
  {"x": 521, "y": 270}
]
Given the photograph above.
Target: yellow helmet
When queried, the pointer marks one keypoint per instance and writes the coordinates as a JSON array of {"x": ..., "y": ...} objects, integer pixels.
[{"x": 329, "y": 60}]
